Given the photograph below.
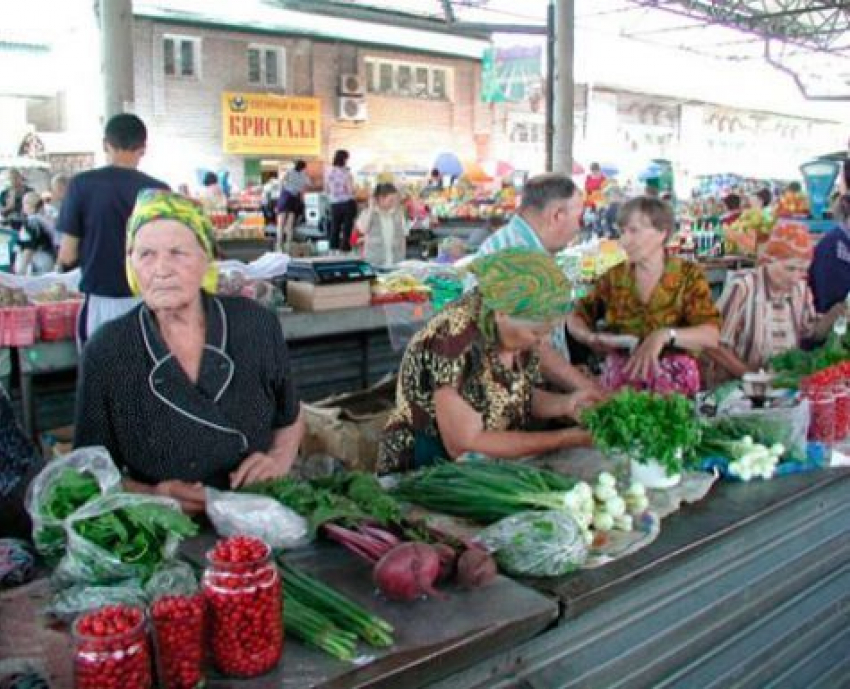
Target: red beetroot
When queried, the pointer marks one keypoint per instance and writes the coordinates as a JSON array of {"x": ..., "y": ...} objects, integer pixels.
[
  {"x": 179, "y": 628},
  {"x": 112, "y": 649},
  {"x": 448, "y": 561},
  {"x": 408, "y": 572},
  {"x": 243, "y": 592},
  {"x": 475, "y": 567}
]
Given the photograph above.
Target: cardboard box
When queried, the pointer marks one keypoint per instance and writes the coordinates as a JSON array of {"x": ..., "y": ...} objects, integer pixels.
[
  {"x": 305, "y": 296},
  {"x": 346, "y": 428}
]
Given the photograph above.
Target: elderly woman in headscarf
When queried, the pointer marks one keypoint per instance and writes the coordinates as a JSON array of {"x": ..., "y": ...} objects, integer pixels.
[
  {"x": 470, "y": 379},
  {"x": 189, "y": 389},
  {"x": 769, "y": 309}
]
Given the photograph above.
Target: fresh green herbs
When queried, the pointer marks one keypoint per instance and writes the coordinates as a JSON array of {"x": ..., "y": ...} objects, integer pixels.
[
  {"x": 797, "y": 363},
  {"x": 71, "y": 490},
  {"x": 136, "y": 534},
  {"x": 646, "y": 426},
  {"x": 346, "y": 498}
]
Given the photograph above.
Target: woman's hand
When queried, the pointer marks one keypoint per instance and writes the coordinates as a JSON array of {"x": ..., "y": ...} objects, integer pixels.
[
  {"x": 576, "y": 402},
  {"x": 257, "y": 467},
  {"x": 191, "y": 496},
  {"x": 644, "y": 361}
]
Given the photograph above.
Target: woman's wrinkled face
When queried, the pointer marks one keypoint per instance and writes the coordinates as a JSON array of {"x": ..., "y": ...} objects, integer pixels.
[
  {"x": 387, "y": 202},
  {"x": 169, "y": 263},
  {"x": 788, "y": 273},
  {"x": 521, "y": 335},
  {"x": 640, "y": 240}
]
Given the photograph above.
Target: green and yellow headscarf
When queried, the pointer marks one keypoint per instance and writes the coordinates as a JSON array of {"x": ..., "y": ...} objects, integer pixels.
[
  {"x": 521, "y": 283},
  {"x": 156, "y": 204}
]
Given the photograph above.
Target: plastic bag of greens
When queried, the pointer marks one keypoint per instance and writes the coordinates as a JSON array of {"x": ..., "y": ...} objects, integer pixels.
[
  {"x": 81, "y": 598},
  {"x": 121, "y": 536},
  {"x": 62, "y": 487},
  {"x": 536, "y": 544},
  {"x": 256, "y": 515}
]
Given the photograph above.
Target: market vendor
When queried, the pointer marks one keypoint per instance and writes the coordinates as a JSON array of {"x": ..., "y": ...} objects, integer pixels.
[
  {"x": 188, "y": 389},
  {"x": 663, "y": 302},
  {"x": 769, "y": 309},
  {"x": 470, "y": 379},
  {"x": 548, "y": 220}
]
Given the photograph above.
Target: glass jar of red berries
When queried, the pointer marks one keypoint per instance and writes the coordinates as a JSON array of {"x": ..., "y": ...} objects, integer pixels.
[
  {"x": 243, "y": 591},
  {"x": 179, "y": 634},
  {"x": 111, "y": 649}
]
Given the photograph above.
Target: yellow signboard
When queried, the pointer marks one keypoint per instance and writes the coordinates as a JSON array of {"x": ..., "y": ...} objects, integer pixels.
[{"x": 265, "y": 124}]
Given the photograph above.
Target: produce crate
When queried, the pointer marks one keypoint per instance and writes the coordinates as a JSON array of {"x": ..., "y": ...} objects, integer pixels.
[
  {"x": 57, "y": 320},
  {"x": 17, "y": 326}
]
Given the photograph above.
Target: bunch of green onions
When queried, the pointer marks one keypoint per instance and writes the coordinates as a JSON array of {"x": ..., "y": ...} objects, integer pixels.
[
  {"x": 485, "y": 491},
  {"x": 322, "y": 617}
]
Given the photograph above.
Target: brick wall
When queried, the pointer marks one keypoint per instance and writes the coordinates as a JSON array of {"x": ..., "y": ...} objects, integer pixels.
[{"x": 184, "y": 115}]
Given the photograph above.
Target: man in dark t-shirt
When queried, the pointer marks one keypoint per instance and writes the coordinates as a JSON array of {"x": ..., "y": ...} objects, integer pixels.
[{"x": 93, "y": 222}]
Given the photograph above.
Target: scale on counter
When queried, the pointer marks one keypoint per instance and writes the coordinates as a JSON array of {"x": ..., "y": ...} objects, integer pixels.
[{"x": 329, "y": 270}]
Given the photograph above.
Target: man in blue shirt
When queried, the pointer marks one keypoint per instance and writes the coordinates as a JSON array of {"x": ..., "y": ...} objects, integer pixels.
[
  {"x": 829, "y": 274},
  {"x": 93, "y": 223}
]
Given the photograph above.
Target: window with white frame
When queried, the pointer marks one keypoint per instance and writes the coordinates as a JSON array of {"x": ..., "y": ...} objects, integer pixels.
[
  {"x": 408, "y": 79},
  {"x": 182, "y": 56},
  {"x": 266, "y": 65}
]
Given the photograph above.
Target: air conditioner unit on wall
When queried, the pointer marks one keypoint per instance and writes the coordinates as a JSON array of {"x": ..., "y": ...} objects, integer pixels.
[
  {"x": 350, "y": 85},
  {"x": 352, "y": 108}
]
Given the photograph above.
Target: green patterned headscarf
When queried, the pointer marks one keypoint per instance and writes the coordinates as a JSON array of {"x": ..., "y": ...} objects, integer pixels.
[
  {"x": 156, "y": 204},
  {"x": 521, "y": 283}
]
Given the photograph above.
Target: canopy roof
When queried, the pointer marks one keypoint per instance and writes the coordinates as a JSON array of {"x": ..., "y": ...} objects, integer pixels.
[{"x": 807, "y": 39}]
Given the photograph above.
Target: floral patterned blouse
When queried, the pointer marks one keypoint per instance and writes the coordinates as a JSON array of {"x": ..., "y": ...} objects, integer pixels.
[
  {"x": 451, "y": 351},
  {"x": 681, "y": 299}
]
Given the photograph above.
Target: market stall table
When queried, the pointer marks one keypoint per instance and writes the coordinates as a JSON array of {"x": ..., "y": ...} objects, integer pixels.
[
  {"x": 433, "y": 638},
  {"x": 747, "y": 588}
]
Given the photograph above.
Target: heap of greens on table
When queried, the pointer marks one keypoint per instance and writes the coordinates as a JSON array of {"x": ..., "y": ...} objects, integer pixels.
[{"x": 644, "y": 426}]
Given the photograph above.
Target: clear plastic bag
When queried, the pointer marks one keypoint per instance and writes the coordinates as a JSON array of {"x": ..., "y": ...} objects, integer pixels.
[
  {"x": 256, "y": 515},
  {"x": 68, "y": 603},
  {"x": 175, "y": 579},
  {"x": 536, "y": 543},
  {"x": 48, "y": 531},
  {"x": 787, "y": 425},
  {"x": 87, "y": 562}
]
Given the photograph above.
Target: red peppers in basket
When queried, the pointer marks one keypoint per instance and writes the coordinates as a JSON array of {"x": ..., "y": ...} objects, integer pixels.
[
  {"x": 243, "y": 592},
  {"x": 112, "y": 650},
  {"x": 179, "y": 627}
]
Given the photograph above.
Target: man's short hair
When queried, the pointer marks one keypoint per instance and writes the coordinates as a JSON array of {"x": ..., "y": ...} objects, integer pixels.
[
  {"x": 126, "y": 132},
  {"x": 659, "y": 213},
  {"x": 540, "y": 190}
]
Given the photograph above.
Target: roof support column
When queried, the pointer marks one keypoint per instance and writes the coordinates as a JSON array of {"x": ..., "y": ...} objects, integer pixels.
[
  {"x": 563, "y": 75},
  {"x": 116, "y": 54}
]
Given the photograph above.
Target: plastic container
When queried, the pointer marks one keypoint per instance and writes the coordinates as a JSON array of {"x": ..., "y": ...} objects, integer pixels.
[
  {"x": 119, "y": 659},
  {"x": 822, "y": 426},
  {"x": 57, "y": 320},
  {"x": 17, "y": 326},
  {"x": 245, "y": 606},
  {"x": 179, "y": 624},
  {"x": 841, "y": 393}
]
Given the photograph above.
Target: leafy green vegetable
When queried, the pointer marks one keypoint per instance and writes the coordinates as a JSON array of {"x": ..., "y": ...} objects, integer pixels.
[
  {"x": 71, "y": 490},
  {"x": 485, "y": 491},
  {"x": 345, "y": 498},
  {"x": 797, "y": 363},
  {"x": 644, "y": 425},
  {"x": 136, "y": 534}
]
